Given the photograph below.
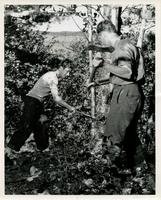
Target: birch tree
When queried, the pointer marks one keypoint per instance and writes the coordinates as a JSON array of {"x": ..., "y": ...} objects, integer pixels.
[
  {"x": 92, "y": 89},
  {"x": 142, "y": 28}
]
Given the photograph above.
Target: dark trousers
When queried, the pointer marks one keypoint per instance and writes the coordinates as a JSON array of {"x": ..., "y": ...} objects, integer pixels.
[
  {"x": 30, "y": 122},
  {"x": 121, "y": 124}
]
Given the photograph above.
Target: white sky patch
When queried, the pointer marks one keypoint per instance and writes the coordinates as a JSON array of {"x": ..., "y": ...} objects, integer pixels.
[{"x": 68, "y": 24}]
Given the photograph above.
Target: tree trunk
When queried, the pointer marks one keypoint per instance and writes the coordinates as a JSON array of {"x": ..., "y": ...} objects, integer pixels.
[
  {"x": 116, "y": 18},
  {"x": 92, "y": 89},
  {"x": 142, "y": 29},
  {"x": 106, "y": 11}
]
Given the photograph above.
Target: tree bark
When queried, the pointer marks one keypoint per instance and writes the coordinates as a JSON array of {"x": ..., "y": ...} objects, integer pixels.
[
  {"x": 142, "y": 29},
  {"x": 116, "y": 18},
  {"x": 106, "y": 11},
  {"x": 92, "y": 89}
]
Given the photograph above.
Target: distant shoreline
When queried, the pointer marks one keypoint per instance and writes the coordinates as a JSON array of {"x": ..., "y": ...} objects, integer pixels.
[{"x": 65, "y": 33}]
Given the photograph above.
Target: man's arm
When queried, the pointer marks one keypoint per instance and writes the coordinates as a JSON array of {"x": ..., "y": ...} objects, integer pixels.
[
  {"x": 58, "y": 99},
  {"x": 99, "y": 82},
  {"x": 122, "y": 70},
  {"x": 97, "y": 62},
  {"x": 103, "y": 80},
  {"x": 61, "y": 102}
]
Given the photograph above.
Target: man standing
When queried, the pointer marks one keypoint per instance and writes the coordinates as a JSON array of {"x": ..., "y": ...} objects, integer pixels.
[
  {"x": 126, "y": 71},
  {"x": 31, "y": 119}
]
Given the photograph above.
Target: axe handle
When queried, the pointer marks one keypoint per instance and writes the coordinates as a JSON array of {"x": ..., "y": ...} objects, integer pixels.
[{"x": 86, "y": 115}]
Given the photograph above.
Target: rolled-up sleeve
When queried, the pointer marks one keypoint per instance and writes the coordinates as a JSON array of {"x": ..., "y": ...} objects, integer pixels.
[
  {"x": 126, "y": 67},
  {"x": 122, "y": 69}
]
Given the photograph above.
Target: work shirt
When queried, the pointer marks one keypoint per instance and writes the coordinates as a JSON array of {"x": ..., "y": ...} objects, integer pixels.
[
  {"x": 129, "y": 58},
  {"x": 44, "y": 86}
]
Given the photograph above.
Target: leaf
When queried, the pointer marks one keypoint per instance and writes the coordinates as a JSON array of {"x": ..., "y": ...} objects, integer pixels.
[
  {"x": 29, "y": 179},
  {"x": 98, "y": 147},
  {"x": 80, "y": 165},
  {"x": 126, "y": 191},
  {"x": 45, "y": 192},
  {"x": 34, "y": 172},
  {"x": 53, "y": 175},
  {"x": 88, "y": 182}
]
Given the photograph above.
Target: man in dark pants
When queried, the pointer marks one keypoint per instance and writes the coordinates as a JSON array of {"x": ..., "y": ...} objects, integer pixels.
[
  {"x": 32, "y": 120},
  {"x": 126, "y": 71}
]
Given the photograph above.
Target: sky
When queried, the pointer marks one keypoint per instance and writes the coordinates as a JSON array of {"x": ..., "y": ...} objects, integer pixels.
[{"x": 67, "y": 24}]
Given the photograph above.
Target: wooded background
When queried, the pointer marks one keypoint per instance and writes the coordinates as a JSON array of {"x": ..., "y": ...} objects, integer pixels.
[{"x": 29, "y": 53}]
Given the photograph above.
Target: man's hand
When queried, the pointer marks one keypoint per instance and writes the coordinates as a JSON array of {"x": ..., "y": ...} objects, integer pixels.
[
  {"x": 97, "y": 61},
  {"x": 61, "y": 102}
]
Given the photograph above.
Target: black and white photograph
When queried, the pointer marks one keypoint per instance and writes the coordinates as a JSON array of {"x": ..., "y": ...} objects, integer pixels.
[{"x": 79, "y": 99}]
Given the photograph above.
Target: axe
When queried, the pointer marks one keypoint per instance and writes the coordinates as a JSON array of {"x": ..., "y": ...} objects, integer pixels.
[{"x": 84, "y": 114}]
